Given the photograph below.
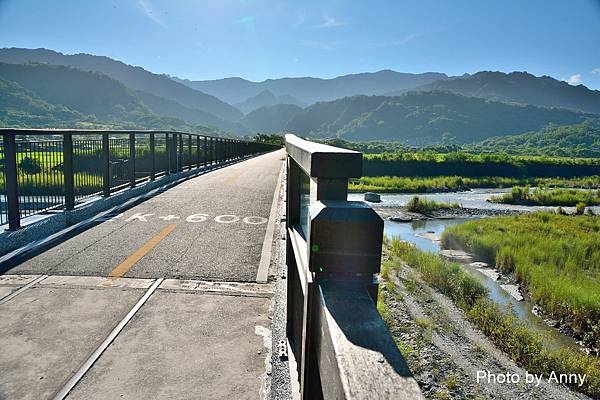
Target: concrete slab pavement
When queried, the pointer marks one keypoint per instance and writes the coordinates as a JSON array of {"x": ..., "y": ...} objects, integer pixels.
[
  {"x": 185, "y": 345},
  {"x": 46, "y": 333}
]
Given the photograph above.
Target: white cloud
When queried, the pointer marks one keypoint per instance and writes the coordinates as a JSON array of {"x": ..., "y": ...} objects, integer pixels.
[
  {"x": 330, "y": 22},
  {"x": 596, "y": 70},
  {"x": 574, "y": 79},
  {"x": 149, "y": 12}
]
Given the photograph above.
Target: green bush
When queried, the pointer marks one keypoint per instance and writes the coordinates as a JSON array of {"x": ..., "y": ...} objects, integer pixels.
[
  {"x": 403, "y": 184},
  {"x": 30, "y": 166},
  {"x": 549, "y": 197},
  {"x": 424, "y": 206}
]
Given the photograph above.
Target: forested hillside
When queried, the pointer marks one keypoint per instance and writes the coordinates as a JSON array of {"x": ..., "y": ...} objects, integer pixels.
[
  {"x": 521, "y": 88},
  {"x": 424, "y": 118},
  {"x": 41, "y": 95},
  {"x": 133, "y": 77},
  {"x": 270, "y": 119},
  {"x": 579, "y": 140},
  {"x": 21, "y": 108}
]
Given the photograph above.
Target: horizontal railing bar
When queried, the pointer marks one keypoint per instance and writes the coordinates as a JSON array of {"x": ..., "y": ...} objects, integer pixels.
[
  {"x": 54, "y": 131},
  {"x": 324, "y": 161}
]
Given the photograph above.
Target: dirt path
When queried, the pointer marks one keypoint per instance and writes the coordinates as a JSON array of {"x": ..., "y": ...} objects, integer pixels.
[{"x": 445, "y": 351}]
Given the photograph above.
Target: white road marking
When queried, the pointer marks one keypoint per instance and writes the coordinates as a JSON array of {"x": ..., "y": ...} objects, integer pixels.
[
  {"x": 226, "y": 219},
  {"x": 139, "y": 217},
  {"x": 169, "y": 217},
  {"x": 196, "y": 218},
  {"x": 201, "y": 217},
  {"x": 252, "y": 220}
]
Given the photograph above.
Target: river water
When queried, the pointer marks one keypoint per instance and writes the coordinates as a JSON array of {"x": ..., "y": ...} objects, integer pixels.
[{"x": 425, "y": 235}]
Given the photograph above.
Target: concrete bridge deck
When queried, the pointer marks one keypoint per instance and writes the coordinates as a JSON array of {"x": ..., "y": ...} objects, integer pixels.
[{"x": 182, "y": 266}]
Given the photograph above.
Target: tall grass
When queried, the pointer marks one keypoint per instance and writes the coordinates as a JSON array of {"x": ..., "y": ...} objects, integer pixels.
[
  {"x": 548, "y": 197},
  {"x": 555, "y": 257},
  {"x": 523, "y": 345},
  {"x": 398, "y": 184},
  {"x": 425, "y": 206}
]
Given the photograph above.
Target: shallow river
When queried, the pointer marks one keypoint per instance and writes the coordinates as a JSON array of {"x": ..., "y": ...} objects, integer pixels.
[
  {"x": 423, "y": 234},
  {"x": 476, "y": 198}
]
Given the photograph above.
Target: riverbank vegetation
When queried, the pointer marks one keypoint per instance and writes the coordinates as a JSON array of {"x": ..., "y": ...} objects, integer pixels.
[
  {"x": 548, "y": 197},
  {"x": 401, "y": 184},
  {"x": 425, "y": 206},
  {"x": 578, "y": 140},
  {"x": 503, "y": 328},
  {"x": 555, "y": 257}
]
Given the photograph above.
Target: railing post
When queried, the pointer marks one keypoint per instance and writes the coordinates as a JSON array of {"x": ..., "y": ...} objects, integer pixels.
[
  {"x": 12, "y": 183},
  {"x": 197, "y": 151},
  {"x": 132, "y": 160},
  {"x": 333, "y": 251},
  {"x": 180, "y": 156},
  {"x": 205, "y": 152},
  {"x": 168, "y": 150},
  {"x": 219, "y": 148},
  {"x": 152, "y": 157},
  {"x": 68, "y": 172},
  {"x": 105, "y": 165},
  {"x": 213, "y": 150},
  {"x": 189, "y": 152}
]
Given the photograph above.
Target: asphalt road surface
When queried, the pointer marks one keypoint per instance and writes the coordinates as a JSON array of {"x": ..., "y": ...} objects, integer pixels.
[{"x": 209, "y": 227}]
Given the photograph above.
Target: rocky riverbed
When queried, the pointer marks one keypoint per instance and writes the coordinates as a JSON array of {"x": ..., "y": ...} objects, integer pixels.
[
  {"x": 401, "y": 214},
  {"x": 445, "y": 351}
]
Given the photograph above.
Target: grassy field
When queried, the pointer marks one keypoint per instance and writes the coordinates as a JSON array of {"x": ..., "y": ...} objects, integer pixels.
[
  {"x": 460, "y": 156},
  {"x": 555, "y": 257},
  {"x": 524, "y": 195},
  {"x": 398, "y": 184},
  {"x": 524, "y": 346}
]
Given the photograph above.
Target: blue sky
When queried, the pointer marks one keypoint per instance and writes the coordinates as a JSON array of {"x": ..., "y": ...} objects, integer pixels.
[{"x": 259, "y": 39}]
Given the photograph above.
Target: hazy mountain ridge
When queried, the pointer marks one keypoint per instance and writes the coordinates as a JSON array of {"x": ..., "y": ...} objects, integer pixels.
[
  {"x": 520, "y": 88},
  {"x": 74, "y": 95},
  {"x": 20, "y": 107},
  {"x": 84, "y": 92},
  {"x": 424, "y": 117},
  {"x": 311, "y": 90},
  {"x": 44, "y": 95},
  {"x": 271, "y": 119},
  {"x": 133, "y": 77},
  {"x": 265, "y": 99},
  {"x": 171, "y": 108}
]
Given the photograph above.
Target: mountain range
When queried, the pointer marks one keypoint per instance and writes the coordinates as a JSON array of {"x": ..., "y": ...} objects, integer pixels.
[
  {"x": 311, "y": 90},
  {"x": 518, "y": 88},
  {"x": 45, "y": 88}
]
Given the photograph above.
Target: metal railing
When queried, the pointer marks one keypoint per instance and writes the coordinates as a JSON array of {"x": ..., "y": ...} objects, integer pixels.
[
  {"x": 341, "y": 346},
  {"x": 44, "y": 170}
]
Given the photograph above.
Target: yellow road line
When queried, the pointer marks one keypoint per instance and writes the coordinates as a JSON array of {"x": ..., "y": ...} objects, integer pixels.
[{"x": 126, "y": 265}]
